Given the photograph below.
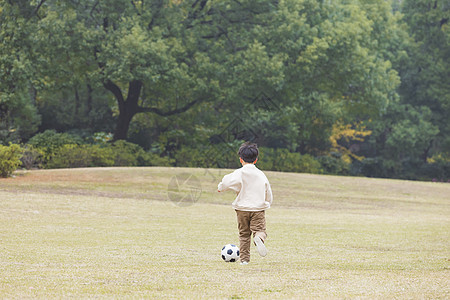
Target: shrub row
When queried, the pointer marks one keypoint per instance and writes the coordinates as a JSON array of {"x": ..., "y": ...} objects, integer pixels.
[
  {"x": 225, "y": 156},
  {"x": 62, "y": 150},
  {"x": 52, "y": 150},
  {"x": 119, "y": 153}
]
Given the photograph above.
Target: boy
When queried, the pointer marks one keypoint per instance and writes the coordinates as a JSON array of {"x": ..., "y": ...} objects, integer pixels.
[{"x": 254, "y": 196}]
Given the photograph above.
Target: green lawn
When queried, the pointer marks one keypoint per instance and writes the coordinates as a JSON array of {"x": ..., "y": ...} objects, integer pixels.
[{"x": 113, "y": 232}]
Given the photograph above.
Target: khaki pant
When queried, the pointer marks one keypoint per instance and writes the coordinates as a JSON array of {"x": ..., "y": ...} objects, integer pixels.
[{"x": 250, "y": 222}]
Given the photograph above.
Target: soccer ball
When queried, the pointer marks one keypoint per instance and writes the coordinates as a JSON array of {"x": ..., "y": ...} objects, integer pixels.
[{"x": 230, "y": 253}]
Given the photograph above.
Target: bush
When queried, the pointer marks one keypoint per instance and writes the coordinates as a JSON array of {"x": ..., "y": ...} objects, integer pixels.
[
  {"x": 79, "y": 156},
  {"x": 127, "y": 154},
  {"x": 438, "y": 168},
  {"x": 69, "y": 156},
  {"x": 189, "y": 157},
  {"x": 62, "y": 150},
  {"x": 153, "y": 159},
  {"x": 50, "y": 142},
  {"x": 9, "y": 159},
  {"x": 32, "y": 157},
  {"x": 214, "y": 156},
  {"x": 333, "y": 164},
  {"x": 285, "y": 161},
  {"x": 101, "y": 156}
]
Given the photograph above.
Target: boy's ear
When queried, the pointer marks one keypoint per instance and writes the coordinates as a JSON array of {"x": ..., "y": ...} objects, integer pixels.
[
  {"x": 241, "y": 160},
  {"x": 255, "y": 161}
]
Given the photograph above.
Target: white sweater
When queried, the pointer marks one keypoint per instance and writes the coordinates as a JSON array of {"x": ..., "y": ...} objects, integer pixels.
[{"x": 252, "y": 188}]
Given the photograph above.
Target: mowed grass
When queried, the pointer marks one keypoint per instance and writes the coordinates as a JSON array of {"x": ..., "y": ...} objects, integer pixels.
[{"x": 114, "y": 233}]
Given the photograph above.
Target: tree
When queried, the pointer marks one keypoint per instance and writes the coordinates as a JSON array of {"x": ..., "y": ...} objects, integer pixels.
[
  {"x": 414, "y": 129},
  {"x": 149, "y": 55},
  {"x": 426, "y": 80},
  {"x": 18, "y": 114},
  {"x": 333, "y": 65}
]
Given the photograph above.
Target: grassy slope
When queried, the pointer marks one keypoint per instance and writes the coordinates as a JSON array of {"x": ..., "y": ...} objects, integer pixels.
[{"x": 113, "y": 232}]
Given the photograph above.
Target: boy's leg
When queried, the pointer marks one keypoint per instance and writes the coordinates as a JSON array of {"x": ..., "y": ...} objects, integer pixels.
[
  {"x": 258, "y": 227},
  {"x": 258, "y": 224},
  {"x": 245, "y": 234}
]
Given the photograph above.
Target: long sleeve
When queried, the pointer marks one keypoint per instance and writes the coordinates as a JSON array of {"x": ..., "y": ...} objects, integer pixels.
[
  {"x": 231, "y": 181},
  {"x": 269, "y": 196},
  {"x": 252, "y": 188}
]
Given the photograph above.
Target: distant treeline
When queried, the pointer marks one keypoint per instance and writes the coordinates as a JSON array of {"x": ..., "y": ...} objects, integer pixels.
[{"x": 355, "y": 87}]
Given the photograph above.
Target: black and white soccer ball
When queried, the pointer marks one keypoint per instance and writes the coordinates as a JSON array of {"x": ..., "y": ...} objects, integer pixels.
[{"x": 230, "y": 253}]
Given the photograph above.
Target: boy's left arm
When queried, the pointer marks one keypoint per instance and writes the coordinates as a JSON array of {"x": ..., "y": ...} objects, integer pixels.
[{"x": 269, "y": 196}]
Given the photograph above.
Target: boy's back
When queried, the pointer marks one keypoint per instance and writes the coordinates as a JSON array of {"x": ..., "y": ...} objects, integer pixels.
[{"x": 252, "y": 186}]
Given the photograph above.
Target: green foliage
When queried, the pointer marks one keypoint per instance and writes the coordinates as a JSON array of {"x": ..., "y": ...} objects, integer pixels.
[
  {"x": 412, "y": 136},
  {"x": 76, "y": 107},
  {"x": 334, "y": 164},
  {"x": 18, "y": 115},
  {"x": 120, "y": 153},
  {"x": 128, "y": 154},
  {"x": 438, "y": 168},
  {"x": 50, "y": 142},
  {"x": 102, "y": 137},
  {"x": 62, "y": 150},
  {"x": 153, "y": 159},
  {"x": 32, "y": 157},
  {"x": 283, "y": 160},
  {"x": 214, "y": 156},
  {"x": 77, "y": 156},
  {"x": 9, "y": 159},
  {"x": 427, "y": 74},
  {"x": 172, "y": 76},
  {"x": 191, "y": 157}
]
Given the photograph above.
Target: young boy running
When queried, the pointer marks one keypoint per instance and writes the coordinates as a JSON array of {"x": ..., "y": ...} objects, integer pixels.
[{"x": 254, "y": 196}]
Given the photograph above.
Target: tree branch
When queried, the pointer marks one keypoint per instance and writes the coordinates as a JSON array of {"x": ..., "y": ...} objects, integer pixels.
[
  {"x": 170, "y": 112},
  {"x": 91, "y": 13},
  {"x": 135, "y": 7},
  {"x": 38, "y": 7},
  {"x": 113, "y": 88},
  {"x": 157, "y": 10}
]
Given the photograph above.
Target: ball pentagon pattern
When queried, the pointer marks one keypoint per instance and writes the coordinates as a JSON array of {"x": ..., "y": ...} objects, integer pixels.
[{"x": 230, "y": 253}]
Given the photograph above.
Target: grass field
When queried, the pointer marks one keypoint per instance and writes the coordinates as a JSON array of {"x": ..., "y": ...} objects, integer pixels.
[{"x": 113, "y": 232}]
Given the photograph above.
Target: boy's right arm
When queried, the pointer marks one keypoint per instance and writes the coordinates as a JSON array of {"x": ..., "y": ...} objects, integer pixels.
[{"x": 229, "y": 182}]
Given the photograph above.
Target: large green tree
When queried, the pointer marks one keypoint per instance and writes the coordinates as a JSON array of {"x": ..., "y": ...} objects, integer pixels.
[
  {"x": 426, "y": 80},
  {"x": 331, "y": 68},
  {"x": 160, "y": 57},
  {"x": 413, "y": 129},
  {"x": 18, "y": 114},
  {"x": 131, "y": 48}
]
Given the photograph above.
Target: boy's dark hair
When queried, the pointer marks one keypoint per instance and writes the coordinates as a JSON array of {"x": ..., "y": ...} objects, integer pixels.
[{"x": 248, "y": 152}]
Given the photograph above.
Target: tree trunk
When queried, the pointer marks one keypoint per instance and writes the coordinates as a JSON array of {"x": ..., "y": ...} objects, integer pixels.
[
  {"x": 89, "y": 99},
  {"x": 77, "y": 107},
  {"x": 123, "y": 124},
  {"x": 127, "y": 108}
]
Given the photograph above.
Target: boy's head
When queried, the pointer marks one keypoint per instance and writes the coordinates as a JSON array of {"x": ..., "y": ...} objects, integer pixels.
[{"x": 248, "y": 152}]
